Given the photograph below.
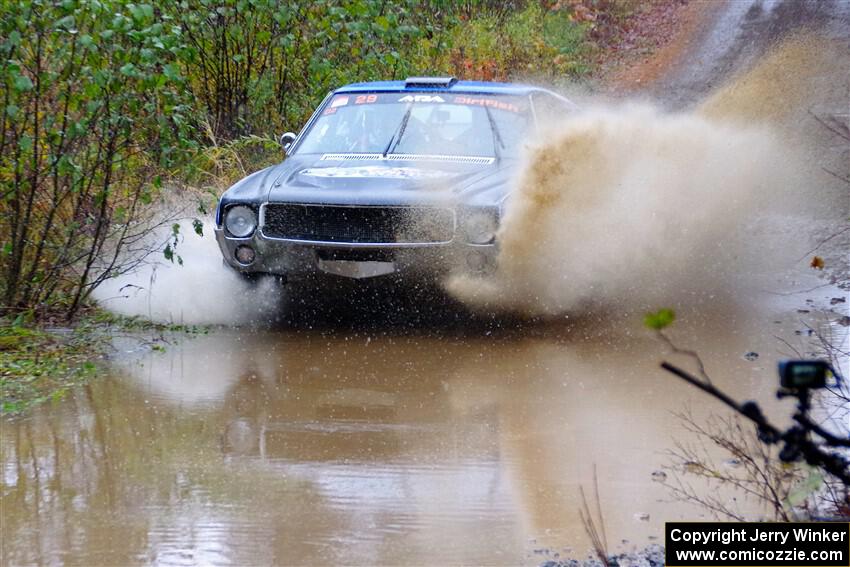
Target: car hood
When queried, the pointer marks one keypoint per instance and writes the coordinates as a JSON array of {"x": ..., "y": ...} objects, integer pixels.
[{"x": 374, "y": 180}]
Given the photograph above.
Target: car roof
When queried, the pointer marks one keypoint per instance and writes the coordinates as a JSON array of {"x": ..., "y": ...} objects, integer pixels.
[{"x": 478, "y": 87}]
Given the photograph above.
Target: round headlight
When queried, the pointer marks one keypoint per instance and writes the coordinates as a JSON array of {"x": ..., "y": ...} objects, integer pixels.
[
  {"x": 241, "y": 221},
  {"x": 481, "y": 227}
]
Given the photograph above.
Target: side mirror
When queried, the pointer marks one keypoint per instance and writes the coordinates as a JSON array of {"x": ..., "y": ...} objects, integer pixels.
[{"x": 286, "y": 141}]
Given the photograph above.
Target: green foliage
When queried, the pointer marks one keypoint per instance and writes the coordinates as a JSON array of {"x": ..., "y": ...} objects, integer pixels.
[
  {"x": 92, "y": 108},
  {"x": 659, "y": 320},
  {"x": 218, "y": 166},
  {"x": 99, "y": 319},
  {"x": 534, "y": 42},
  {"x": 38, "y": 366}
]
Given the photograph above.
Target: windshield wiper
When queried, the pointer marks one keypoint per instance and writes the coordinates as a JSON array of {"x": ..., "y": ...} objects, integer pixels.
[
  {"x": 394, "y": 141},
  {"x": 497, "y": 137}
]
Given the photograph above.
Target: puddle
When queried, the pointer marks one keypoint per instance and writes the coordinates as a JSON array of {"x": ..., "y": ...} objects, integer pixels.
[{"x": 366, "y": 447}]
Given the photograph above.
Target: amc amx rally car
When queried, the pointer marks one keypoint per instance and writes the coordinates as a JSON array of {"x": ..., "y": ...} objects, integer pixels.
[{"x": 406, "y": 177}]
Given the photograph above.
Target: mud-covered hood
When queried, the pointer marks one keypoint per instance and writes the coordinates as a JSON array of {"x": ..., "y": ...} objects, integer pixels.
[{"x": 378, "y": 180}]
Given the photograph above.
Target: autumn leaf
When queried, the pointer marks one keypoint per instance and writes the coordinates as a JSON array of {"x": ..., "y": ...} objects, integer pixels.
[
  {"x": 817, "y": 263},
  {"x": 659, "y": 320}
]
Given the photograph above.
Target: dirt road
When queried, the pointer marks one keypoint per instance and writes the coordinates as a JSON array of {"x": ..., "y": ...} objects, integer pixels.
[{"x": 734, "y": 36}]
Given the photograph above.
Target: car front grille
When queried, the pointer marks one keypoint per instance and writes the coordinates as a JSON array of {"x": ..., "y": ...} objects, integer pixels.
[{"x": 358, "y": 225}]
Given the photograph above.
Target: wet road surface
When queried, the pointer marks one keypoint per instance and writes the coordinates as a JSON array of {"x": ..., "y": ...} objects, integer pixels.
[{"x": 376, "y": 445}]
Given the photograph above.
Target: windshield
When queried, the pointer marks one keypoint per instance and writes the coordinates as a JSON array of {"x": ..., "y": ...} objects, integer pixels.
[{"x": 419, "y": 123}]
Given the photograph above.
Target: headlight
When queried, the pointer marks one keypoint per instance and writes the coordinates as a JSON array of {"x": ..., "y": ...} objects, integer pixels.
[
  {"x": 481, "y": 226},
  {"x": 240, "y": 221}
]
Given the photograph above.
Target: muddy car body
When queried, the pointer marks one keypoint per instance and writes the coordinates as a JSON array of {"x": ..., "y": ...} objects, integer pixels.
[{"x": 400, "y": 177}]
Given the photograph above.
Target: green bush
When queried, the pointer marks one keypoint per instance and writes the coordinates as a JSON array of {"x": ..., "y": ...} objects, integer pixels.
[
  {"x": 536, "y": 42},
  {"x": 94, "y": 109}
]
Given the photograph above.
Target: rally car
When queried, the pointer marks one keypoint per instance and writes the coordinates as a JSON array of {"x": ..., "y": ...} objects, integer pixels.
[{"x": 397, "y": 177}]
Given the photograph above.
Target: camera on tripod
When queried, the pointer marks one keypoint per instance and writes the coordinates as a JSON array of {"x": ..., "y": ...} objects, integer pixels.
[{"x": 803, "y": 374}]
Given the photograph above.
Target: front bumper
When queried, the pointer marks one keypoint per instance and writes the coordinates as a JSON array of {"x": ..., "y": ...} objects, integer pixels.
[{"x": 299, "y": 259}]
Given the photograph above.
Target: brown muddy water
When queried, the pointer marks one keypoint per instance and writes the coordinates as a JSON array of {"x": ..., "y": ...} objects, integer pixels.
[{"x": 371, "y": 446}]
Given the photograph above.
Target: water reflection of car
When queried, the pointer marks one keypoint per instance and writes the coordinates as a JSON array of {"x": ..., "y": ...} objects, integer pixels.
[{"x": 386, "y": 177}]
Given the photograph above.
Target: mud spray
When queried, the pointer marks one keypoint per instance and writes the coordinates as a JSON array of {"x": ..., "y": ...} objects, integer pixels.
[{"x": 633, "y": 208}]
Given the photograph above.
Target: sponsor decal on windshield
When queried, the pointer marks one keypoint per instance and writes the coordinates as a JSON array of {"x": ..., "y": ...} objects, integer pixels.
[
  {"x": 337, "y": 102},
  {"x": 421, "y": 98},
  {"x": 487, "y": 102},
  {"x": 341, "y": 102}
]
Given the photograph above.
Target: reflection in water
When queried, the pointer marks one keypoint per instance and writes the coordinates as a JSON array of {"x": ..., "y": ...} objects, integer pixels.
[{"x": 366, "y": 448}]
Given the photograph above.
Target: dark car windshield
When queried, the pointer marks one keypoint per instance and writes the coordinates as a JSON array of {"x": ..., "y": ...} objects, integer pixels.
[{"x": 419, "y": 123}]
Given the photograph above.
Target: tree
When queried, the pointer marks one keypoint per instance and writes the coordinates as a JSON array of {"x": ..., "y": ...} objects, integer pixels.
[{"x": 93, "y": 110}]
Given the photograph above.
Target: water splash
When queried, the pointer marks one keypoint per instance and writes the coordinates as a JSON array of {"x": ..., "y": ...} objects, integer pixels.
[{"x": 201, "y": 291}]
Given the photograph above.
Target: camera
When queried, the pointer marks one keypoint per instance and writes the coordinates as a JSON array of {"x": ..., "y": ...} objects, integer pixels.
[{"x": 803, "y": 374}]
